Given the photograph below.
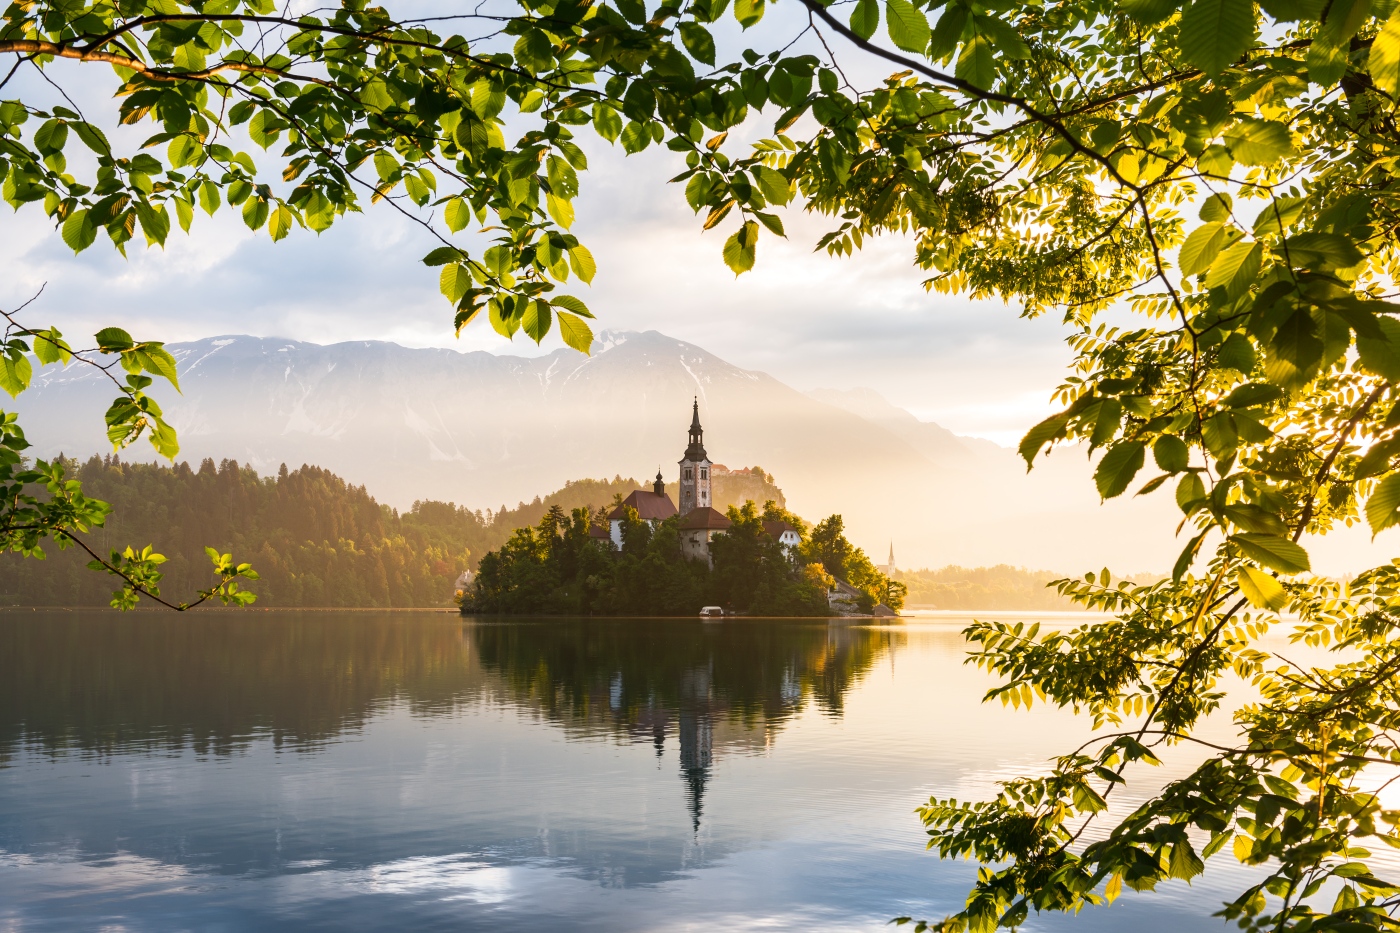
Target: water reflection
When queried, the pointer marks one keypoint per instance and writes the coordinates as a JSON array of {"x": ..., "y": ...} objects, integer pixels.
[
  {"x": 104, "y": 684},
  {"x": 353, "y": 771},
  {"x": 716, "y": 688}
]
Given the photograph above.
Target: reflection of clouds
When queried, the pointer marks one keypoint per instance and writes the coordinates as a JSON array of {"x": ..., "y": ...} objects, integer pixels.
[
  {"x": 32, "y": 878},
  {"x": 459, "y": 877}
]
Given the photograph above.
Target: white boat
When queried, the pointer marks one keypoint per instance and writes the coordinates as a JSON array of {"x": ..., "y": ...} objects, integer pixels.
[{"x": 712, "y": 613}]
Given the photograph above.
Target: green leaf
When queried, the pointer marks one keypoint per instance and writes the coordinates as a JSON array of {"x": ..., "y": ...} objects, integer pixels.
[
  {"x": 740, "y": 249},
  {"x": 1215, "y": 33},
  {"x": 536, "y": 320},
  {"x": 576, "y": 332},
  {"x": 949, "y": 32},
  {"x": 865, "y": 18},
  {"x": 771, "y": 221},
  {"x": 255, "y": 212},
  {"x": 1329, "y": 54},
  {"x": 977, "y": 62},
  {"x": 748, "y": 12},
  {"x": 15, "y": 373},
  {"x": 113, "y": 339},
  {"x": 1272, "y": 551},
  {"x": 1381, "y": 355},
  {"x": 1236, "y": 268},
  {"x": 1383, "y": 508},
  {"x": 1258, "y": 142},
  {"x": 1384, "y": 61},
  {"x": 1004, "y": 37},
  {"x": 1118, "y": 467},
  {"x": 1320, "y": 251},
  {"x": 1171, "y": 453},
  {"x": 1253, "y": 394},
  {"x": 155, "y": 359},
  {"x": 607, "y": 122},
  {"x": 1237, "y": 353},
  {"x": 1188, "y": 554},
  {"x": 1149, "y": 12},
  {"x": 774, "y": 185},
  {"x": 1185, "y": 863},
  {"x": 1189, "y": 491},
  {"x": 209, "y": 197},
  {"x": 457, "y": 214},
  {"x": 907, "y": 25},
  {"x": 453, "y": 281},
  {"x": 570, "y": 303},
  {"x": 1201, "y": 248},
  {"x": 280, "y": 223},
  {"x": 1216, "y": 208},
  {"x": 1262, "y": 590},
  {"x": 560, "y": 210},
  {"x": 699, "y": 43},
  {"x": 50, "y": 347},
  {"x": 581, "y": 261},
  {"x": 442, "y": 255},
  {"x": 1051, "y": 429},
  {"x": 79, "y": 231}
]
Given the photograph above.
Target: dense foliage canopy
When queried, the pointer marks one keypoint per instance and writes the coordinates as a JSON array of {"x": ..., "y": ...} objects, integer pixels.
[
  {"x": 558, "y": 567},
  {"x": 1204, "y": 189}
]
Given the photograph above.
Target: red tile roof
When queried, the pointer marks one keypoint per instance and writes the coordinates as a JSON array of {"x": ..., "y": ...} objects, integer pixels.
[
  {"x": 704, "y": 519},
  {"x": 775, "y": 529},
  {"x": 649, "y": 506},
  {"x": 598, "y": 531}
]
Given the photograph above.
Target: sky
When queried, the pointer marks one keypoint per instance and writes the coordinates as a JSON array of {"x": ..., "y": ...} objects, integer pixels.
[{"x": 808, "y": 319}]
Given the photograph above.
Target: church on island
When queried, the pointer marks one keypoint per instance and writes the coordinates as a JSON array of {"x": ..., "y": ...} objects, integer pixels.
[{"x": 700, "y": 521}]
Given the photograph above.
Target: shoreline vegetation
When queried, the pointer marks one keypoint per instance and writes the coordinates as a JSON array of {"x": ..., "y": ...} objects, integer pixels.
[
  {"x": 320, "y": 542},
  {"x": 568, "y": 565}
]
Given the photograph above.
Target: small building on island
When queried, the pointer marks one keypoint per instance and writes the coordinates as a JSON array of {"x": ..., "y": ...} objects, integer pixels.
[
  {"x": 698, "y": 528},
  {"x": 654, "y": 507},
  {"x": 783, "y": 533}
]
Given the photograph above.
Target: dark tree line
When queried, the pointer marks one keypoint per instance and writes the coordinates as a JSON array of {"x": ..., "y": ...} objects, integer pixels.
[{"x": 314, "y": 539}]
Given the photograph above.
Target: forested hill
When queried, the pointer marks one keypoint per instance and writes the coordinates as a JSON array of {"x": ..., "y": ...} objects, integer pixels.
[{"x": 315, "y": 539}]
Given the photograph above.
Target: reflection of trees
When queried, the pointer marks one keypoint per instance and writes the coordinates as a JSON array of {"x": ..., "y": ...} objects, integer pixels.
[
  {"x": 717, "y": 688},
  {"x": 104, "y": 682}
]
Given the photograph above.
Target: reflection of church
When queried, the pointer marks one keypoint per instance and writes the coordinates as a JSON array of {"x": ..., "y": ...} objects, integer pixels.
[{"x": 712, "y": 692}]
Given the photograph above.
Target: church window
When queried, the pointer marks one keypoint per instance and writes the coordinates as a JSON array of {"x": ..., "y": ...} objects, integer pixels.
[
  {"x": 687, "y": 473},
  {"x": 704, "y": 473}
]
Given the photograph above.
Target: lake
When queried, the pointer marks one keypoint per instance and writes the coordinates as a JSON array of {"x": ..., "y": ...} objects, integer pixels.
[{"x": 395, "y": 771}]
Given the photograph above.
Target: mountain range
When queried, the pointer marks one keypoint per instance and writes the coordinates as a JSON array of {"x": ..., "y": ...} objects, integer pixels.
[{"x": 485, "y": 429}]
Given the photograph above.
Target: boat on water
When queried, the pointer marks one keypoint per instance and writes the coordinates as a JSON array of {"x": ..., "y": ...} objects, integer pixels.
[{"x": 712, "y": 613}]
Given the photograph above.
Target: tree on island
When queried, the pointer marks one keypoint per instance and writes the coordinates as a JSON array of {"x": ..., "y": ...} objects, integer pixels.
[
  {"x": 557, "y": 567},
  {"x": 1219, "y": 174}
]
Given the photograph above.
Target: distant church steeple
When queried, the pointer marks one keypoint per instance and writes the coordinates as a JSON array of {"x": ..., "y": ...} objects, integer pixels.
[
  {"x": 695, "y": 467},
  {"x": 696, "y": 450},
  {"x": 659, "y": 487}
]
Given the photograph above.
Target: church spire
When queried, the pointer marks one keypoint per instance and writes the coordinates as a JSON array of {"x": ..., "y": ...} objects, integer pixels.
[
  {"x": 696, "y": 450},
  {"x": 659, "y": 487}
]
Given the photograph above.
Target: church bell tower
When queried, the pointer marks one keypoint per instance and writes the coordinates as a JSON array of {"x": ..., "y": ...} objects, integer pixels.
[{"x": 695, "y": 468}]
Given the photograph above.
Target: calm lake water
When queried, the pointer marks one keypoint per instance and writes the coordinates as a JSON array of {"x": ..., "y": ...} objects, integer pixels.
[{"x": 359, "y": 771}]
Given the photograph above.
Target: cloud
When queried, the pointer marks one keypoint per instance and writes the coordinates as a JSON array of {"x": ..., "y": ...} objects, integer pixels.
[{"x": 809, "y": 319}]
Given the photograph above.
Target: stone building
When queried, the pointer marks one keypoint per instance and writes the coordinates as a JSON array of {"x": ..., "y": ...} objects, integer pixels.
[
  {"x": 698, "y": 528},
  {"x": 695, "y": 468}
]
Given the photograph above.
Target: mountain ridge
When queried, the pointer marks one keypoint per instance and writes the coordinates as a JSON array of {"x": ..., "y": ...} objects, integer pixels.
[{"x": 481, "y": 428}]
